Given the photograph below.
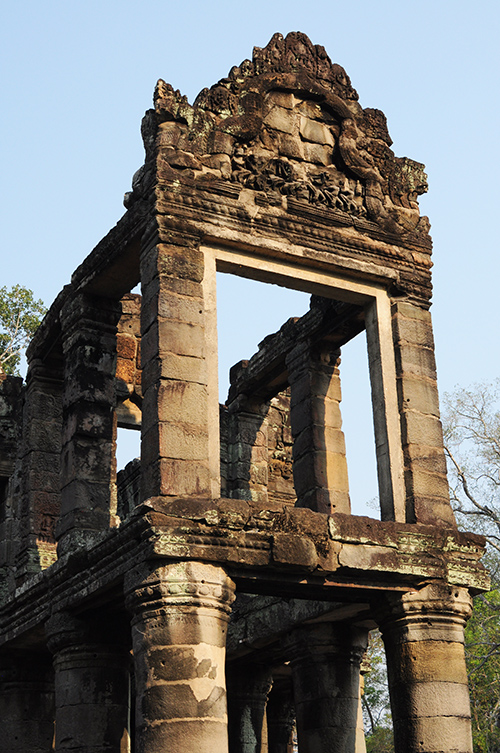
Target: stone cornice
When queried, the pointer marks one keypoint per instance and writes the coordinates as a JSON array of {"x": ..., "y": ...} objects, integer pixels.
[{"x": 282, "y": 550}]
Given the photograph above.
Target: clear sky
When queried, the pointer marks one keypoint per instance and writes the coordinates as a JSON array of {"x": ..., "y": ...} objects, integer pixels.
[{"x": 76, "y": 78}]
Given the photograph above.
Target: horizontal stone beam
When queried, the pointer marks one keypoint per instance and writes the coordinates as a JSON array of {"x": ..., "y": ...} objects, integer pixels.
[
  {"x": 266, "y": 373},
  {"x": 313, "y": 547},
  {"x": 280, "y": 551},
  {"x": 110, "y": 270},
  {"x": 259, "y": 622}
]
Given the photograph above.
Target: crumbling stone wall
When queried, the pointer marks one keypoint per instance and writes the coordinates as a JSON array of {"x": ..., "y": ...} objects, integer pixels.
[{"x": 256, "y": 462}]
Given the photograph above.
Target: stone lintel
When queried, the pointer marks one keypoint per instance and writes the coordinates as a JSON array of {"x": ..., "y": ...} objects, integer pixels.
[
  {"x": 278, "y": 551},
  {"x": 258, "y": 622},
  {"x": 338, "y": 548},
  {"x": 266, "y": 373},
  {"x": 228, "y": 218}
]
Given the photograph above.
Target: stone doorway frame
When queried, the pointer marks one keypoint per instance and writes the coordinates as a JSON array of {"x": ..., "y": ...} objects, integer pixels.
[{"x": 376, "y": 302}]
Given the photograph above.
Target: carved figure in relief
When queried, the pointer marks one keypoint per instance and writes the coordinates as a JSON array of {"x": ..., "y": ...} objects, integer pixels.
[{"x": 47, "y": 528}]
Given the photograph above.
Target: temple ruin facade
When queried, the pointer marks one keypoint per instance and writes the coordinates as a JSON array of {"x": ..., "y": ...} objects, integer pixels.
[{"x": 218, "y": 592}]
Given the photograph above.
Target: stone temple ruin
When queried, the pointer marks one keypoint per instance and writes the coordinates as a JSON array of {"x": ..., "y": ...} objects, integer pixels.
[{"x": 217, "y": 592}]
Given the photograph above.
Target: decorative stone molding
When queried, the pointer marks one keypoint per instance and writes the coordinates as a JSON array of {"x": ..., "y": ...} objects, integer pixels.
[
  {"x": 436, "y": 612},
  {"x": 277, "y": 174},
  {"x": 153, "y": 592}
]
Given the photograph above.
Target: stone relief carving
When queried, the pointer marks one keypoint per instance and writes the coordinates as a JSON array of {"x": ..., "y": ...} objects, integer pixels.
[
  {"x": 286, "y": 123},
  {"x": 279, "y": 176}
]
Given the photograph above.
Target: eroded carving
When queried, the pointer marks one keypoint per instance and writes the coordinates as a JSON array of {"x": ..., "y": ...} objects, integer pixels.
[{"x": 286, "y": 124}]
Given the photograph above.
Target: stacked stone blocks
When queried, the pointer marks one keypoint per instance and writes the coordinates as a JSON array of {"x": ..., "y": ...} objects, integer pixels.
[{"x": 229, "y": 561}]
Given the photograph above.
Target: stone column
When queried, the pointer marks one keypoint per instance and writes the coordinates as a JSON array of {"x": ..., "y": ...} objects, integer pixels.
[
  {"x": 280, "y": 487},
  {"x": 325, "y": 660},
  {"x": 319, "y": 462},
  {"x": 11, "y": 401},
  {"x": 179, "y": 625},
  {"x": 88, "y": 478},
  {"x": 360, "y": 745},
  {"x": 36, "y": 486},
  {"x": 92, "y": 686},
  {"x": 247, "y": 691},
  {"x": 247, "y": 450},
  {"x": 423, "y": 632},
  {"x": 280, "y": 716},
  {"x": 128, "y": 358},
  {"x": 427, "y": 495},
  {"x": 26, "y": 703},
  {"x": 175, "y": 450}
]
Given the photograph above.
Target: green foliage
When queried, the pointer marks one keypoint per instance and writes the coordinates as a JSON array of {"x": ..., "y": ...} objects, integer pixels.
[
  {"x": 472, "y": 437},
  {"x": 380, "y": 741},
  {"x": 482, "y": 641},
  {"x": 376, "y": 705},
  {"x": 20, "y": 316}
]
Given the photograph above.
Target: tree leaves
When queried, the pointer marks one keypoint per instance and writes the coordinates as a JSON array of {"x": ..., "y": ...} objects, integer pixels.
[
  {"x": 375, "y": 699},
  {"x": 472, "y": 443},
  {"x": 20, "y": 316}
]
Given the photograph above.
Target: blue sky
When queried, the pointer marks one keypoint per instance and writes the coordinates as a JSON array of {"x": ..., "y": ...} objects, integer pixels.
[{"x": 76, "y": 78}]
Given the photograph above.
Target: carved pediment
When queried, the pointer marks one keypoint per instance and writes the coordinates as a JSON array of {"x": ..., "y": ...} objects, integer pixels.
[{"x": 286, "y": 124}]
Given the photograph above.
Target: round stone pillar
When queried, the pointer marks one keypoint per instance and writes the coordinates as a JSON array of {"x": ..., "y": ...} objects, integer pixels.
[
  {"x": 280, "y": 715},
  {"x": 179, "y": 626},
  {"x": 92, "y": 687},
  {"x": 26, "y": 703},
  {"x": 247, "y": 691},
  {"x": 325, "y": 660},
  {"x": 423, "y": 632}
]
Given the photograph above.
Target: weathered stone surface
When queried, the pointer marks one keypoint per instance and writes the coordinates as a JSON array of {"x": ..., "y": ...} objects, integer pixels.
[
  {"x": 275, "y": 172},
  {"x": 248, "y": 688},
  {"x": 26, "y": 703},
  {"x": 177, "y": 367},
  {"x": 318, "y": 133},
  {"x": 325, "y": 663},
  {"x": 180, "y": 476},
  {"x": 426, "y": 668},
  {"x": 415, "y": 331},
  {"x": 294, "y": 550},
  {"x": 281, "y": 120},
  {"x": 420, "y": 395},
  {"x": 197, "y": 697},
  {"x": 91, "y": 685}
]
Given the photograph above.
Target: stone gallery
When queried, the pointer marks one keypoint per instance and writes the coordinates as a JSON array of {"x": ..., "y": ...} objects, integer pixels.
[{"x": 218, "y": 592}]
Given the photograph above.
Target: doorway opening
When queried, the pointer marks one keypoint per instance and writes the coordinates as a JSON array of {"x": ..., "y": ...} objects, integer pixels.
[{"x": 248, "y": 312}]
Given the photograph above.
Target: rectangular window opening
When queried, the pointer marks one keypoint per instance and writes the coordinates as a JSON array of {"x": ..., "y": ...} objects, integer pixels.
[{"x": 248, "y": 311}]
